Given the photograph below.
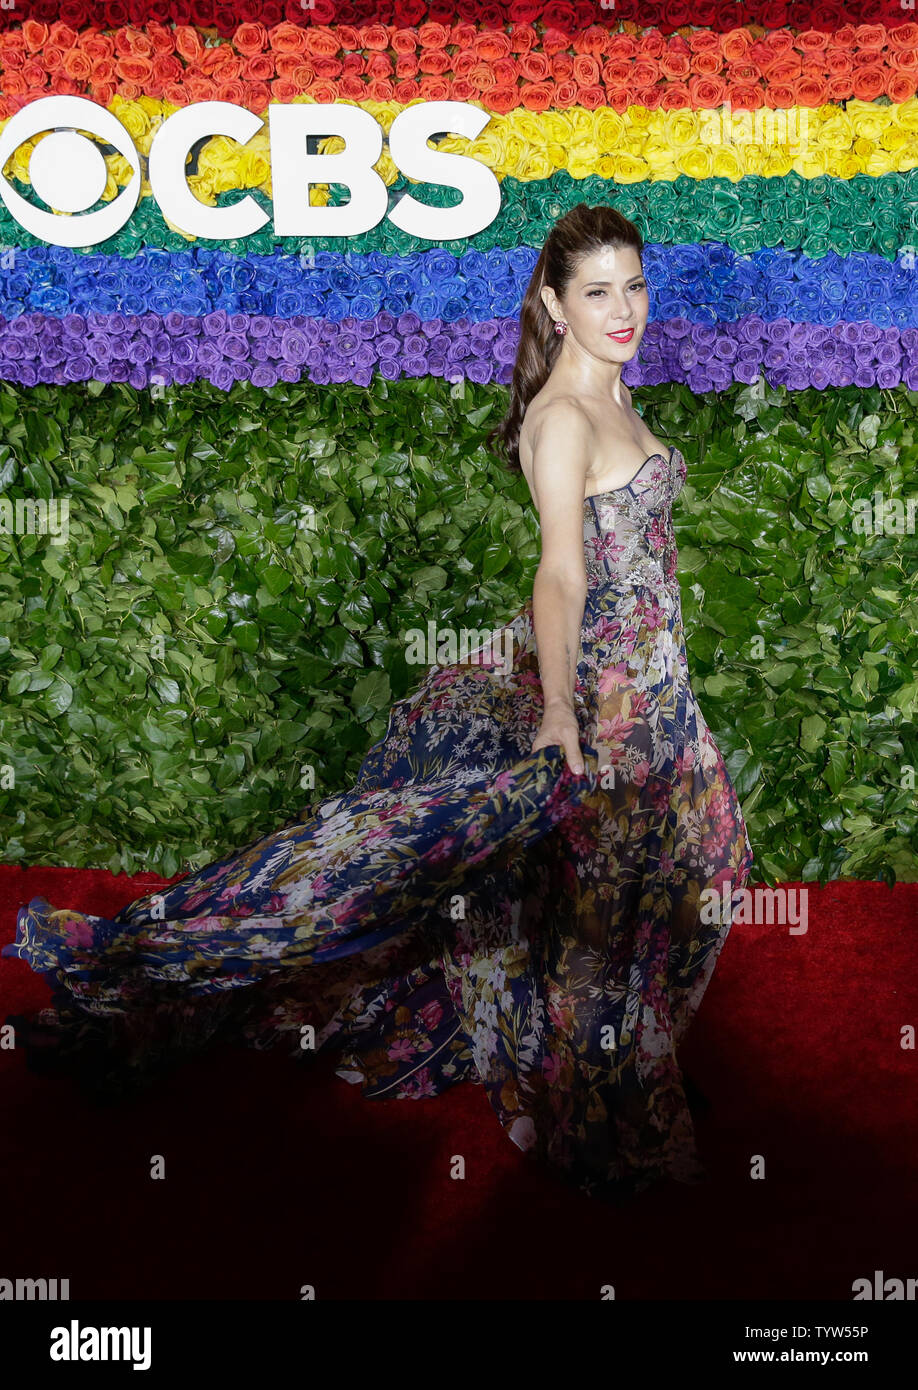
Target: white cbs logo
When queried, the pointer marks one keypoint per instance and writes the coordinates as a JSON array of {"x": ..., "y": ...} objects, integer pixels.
[{"x": 69, "y": 173}]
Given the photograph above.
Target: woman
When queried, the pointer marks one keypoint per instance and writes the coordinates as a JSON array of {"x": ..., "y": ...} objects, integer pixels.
[{"x": 511, "y": 893}]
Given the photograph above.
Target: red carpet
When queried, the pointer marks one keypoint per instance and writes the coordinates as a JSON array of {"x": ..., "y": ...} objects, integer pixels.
[{"x": 279, "y": 1175}]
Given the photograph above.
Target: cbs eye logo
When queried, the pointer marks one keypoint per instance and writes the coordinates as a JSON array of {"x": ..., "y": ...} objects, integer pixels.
[{"x": 69, "y": 173}]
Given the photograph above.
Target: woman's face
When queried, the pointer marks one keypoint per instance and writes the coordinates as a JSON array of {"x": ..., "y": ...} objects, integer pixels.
[{"x": 606, "y": 304}]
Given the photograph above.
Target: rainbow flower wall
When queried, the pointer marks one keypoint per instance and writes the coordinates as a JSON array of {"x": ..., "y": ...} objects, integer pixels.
[
  {"x": 193, "y": 398},
  {"x": 766, "y": 259}
]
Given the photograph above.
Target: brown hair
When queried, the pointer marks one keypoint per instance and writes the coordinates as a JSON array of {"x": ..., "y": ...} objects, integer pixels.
[{"x": 574, "y": 236}]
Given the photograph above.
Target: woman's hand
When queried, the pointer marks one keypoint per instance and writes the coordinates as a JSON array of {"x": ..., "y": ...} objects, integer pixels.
[{"x": 559, "y": 726}]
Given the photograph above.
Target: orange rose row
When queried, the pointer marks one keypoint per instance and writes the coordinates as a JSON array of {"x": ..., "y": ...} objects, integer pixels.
[{"x": 503, "y": 69}]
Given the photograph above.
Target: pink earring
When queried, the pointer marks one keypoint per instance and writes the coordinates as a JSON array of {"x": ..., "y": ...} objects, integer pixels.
[{"x": 561, "y": 327}]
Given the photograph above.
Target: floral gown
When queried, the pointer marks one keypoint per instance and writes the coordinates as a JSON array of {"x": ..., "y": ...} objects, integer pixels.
[{"x": 469, "y": 909}]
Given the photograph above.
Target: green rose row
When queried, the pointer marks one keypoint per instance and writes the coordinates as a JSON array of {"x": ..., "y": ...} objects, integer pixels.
[{"x": 815, "y": 215}]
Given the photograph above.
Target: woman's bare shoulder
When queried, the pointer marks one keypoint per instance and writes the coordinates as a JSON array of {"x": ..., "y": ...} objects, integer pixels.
[
  {"x": 558, "y": 429},
  {"x": 559, "y": 409}
]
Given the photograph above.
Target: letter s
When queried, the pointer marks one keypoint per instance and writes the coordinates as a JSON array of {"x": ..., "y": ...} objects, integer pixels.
[{"x": 408, "y": 136}]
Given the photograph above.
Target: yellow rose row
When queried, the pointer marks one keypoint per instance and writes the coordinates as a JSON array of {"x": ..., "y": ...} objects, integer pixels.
[{"x": 638, "y": 145}]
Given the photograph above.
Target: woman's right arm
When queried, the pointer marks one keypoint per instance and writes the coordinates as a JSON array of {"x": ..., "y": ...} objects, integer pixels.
[{"x": 561, "y": 452}]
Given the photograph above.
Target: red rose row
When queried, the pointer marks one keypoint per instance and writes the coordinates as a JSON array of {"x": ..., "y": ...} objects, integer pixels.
[{"x": 567, "y": 17}]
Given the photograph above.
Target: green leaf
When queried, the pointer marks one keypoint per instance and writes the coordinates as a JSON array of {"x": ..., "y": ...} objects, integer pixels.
[
  {"x": 167, "y": 689},
  {"x": 430, "y": 579},
  {"x": 275, "y": 579},
  {"x": 372, "y": 691},
  {"x": 868, "y": 430},
  {"x": 58, "y": 697},
  {"x": 50, "y": 656},
  {"x": 356, "y": 613},
  {"x": 835, "y": 772},
  {"x": 496, "y": 557},
  {"x": 906, "y": 699},
  {"x": 245, "y": 635},
  {"x": 779, "y": 673},
  {"x": 812, "y": 729},
  {"x": 819, "y": 486}
]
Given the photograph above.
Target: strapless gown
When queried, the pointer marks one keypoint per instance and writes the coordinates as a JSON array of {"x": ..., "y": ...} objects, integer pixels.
[{"x": 468, "y": 909}]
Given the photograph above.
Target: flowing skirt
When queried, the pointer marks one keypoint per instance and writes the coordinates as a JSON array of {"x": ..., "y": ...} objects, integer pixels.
[{"x": 468, "y": 910}]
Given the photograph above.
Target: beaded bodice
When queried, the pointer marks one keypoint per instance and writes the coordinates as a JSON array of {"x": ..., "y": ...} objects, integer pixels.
[{"x": 628, "y": 531}]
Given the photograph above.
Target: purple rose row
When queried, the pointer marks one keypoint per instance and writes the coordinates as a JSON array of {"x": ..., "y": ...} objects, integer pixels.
[{"x": 151, "y": 349}]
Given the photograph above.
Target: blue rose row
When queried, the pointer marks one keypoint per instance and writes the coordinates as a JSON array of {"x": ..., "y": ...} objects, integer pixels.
[{"x": 706, "y": 283}]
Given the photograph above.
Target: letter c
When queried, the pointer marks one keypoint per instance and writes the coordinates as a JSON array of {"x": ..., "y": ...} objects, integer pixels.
[{"x": 168, "y": 153}]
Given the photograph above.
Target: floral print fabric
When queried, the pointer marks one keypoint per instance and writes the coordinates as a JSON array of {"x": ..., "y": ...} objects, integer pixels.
[{"x": 469, "y": 909}]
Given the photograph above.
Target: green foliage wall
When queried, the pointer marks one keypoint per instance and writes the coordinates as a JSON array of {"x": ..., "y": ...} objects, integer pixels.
[{"x": 241, "y": 568}]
